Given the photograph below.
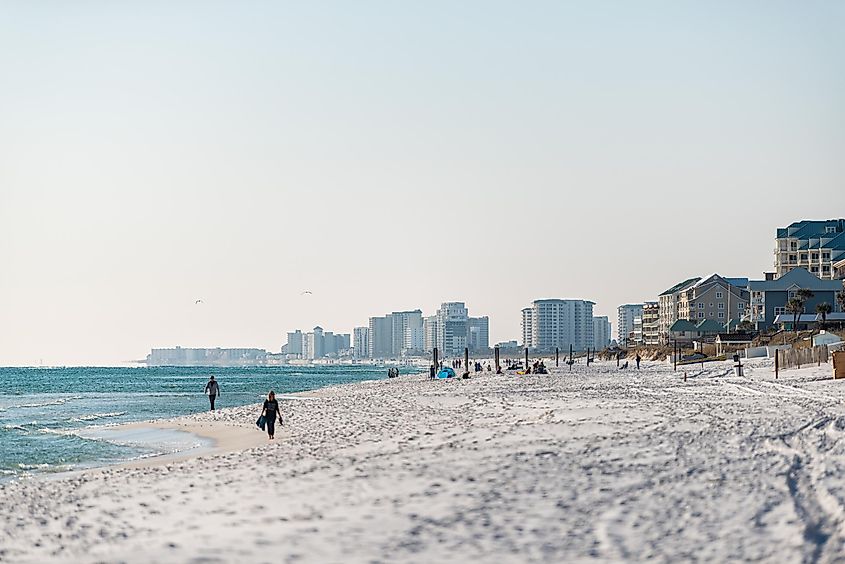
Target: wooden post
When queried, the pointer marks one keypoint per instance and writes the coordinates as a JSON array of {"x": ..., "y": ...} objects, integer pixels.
[
  {"x": 496, "y": 357},
  {"x": 436, "y": 364},
  {"x": 777, "y": 363},
  {"x": 526, "y": 359},
  {"x": 571, "y": 360},
  {"x": 675, "y": 354},
  {"x": 466, "y": 359},
  {"x": 557, "y": 356}
]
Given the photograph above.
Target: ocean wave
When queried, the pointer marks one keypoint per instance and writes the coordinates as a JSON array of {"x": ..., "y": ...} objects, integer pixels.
[
  {"x": 12, "y": 427},
  {"x": 95, "y": 416},
  {"x": 59, "y": 401}
]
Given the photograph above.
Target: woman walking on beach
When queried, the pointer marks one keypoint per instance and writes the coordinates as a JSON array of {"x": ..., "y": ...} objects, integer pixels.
[
  {"x": 212, "y": 389},
  {"x": 270, "y": 412}
]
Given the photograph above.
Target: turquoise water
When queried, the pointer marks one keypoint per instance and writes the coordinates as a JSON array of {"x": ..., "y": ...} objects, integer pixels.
[{"x": 56, "y": 419}]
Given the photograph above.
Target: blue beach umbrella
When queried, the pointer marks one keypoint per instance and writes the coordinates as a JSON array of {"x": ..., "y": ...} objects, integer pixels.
[{"x": 446, "y": 372}]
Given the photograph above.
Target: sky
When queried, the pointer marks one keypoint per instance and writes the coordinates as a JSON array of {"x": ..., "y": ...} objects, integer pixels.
[{"x": 393, "y": 155}]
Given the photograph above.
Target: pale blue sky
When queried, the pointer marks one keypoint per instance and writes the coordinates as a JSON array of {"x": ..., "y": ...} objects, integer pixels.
[{"x": 392, "y": 155}]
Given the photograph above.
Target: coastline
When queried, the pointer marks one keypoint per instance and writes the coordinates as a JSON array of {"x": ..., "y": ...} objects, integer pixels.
[{"x": 604, "y": 465}]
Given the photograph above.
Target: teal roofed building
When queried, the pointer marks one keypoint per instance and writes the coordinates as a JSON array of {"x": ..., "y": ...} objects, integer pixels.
[{"x": 813, "y": 245}]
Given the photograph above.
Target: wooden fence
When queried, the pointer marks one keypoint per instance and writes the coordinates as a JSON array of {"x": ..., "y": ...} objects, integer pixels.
[{"x": 796, "y": 358}]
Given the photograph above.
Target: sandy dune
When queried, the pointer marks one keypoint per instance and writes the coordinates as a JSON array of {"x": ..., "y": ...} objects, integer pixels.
[{"x": 603, "y": 465}]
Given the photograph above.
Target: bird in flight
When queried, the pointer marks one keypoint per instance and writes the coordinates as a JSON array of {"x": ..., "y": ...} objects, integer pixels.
[
  {"x": 199, "y": 302},
  {"x": 309, "y": 292}
]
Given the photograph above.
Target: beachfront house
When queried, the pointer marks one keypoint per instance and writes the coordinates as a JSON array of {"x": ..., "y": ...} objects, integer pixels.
[{"x": 770, "y": 297}]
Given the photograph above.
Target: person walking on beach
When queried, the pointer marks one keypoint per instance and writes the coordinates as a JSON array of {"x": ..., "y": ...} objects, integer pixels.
[
  {"x": 270, "y": 412},
  {"x": 639, "y": 358},
  {"x": 213, "y": 390}
]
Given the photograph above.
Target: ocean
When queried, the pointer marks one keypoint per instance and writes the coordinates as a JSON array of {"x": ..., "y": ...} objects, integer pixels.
[{"x": 62, "y": 419}]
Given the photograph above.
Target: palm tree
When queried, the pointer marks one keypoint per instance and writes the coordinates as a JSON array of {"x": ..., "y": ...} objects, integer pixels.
[
  {"x": 795, "y": 306},
  {"x": 805, "y": 294},
  {"x": 823, "y": 309},
  {"x": 840, "y": 297}
]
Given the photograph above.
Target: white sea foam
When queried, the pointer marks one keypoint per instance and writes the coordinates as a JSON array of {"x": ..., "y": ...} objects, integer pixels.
[
  {"x": 58, "y": 401},
  {"x": 95, "y": 416}
]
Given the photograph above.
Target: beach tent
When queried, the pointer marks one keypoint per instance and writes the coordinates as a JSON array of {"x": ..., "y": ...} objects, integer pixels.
[{"x": 446, "y": 372}]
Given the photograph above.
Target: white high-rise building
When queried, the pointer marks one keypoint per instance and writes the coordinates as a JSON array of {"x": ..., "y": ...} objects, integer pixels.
[
  {"x": 601, "y": 332},
  {"x": 559, "y": 323},
  {"x": 296, "y": 343},
  {"x": 361, "y": 342},
  {"x": 625, "y": 315},
  {"x": 404, "y": 325},
  {"x": 429, "y": 333},
  {"x": 452, "y": 328},
  {"x": 527, "y": 335}
]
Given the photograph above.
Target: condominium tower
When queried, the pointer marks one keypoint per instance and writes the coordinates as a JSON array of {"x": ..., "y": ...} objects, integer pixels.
[{"x": 558, "y": 323}]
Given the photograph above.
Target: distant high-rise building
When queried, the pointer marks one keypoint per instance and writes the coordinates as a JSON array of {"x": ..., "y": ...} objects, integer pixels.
[
  {"x": 405, "y": 326},
  {"x": 381, "y": 337},
  {"x": 560, "y": 323},
  {"x": 314, "y": 346},
  {"x": 601, "y": 332},
  {"x": 361, "y": 342},
  {"x": 625, "y": 315},
  {"x": 429, "y": 333},
  {"x": 296, "y": 344},
  {"x": 452, "y": 328},
  {"x": 812, "y": 245},
  {"x": 478, "y": 338},
  {"x": 527, "y": 335}
]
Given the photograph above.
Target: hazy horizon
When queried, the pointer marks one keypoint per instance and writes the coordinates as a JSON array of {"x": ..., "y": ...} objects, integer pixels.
[{"x": 389, "y": 157}]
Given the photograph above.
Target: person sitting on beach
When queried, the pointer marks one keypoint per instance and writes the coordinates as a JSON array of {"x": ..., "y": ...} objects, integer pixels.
[
  {"x": 213, "y": 390},
  {"x": 270, "y": 411}
]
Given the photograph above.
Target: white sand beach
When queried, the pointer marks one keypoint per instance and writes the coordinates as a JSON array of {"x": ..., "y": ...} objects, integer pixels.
[{"x": 597, "y": 465}]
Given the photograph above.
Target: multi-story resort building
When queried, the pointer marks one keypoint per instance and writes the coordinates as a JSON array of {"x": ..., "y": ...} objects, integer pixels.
[
  {"x": 559, "y": 323},
  {"x": 651, "y": 323},
  {"x": 406, "y": 331},
  {"x": 478, "y": 336},
  {"x": 815, "y": 246},
  {"x": 452, "y": 328},
  {"x": 769, "y": 297},
  {"x": 361, "y": 342},
  {"x": 601, "y": 332},
  {"x": 527, "y": 329},
  {"x": 668, "y": 308},
  {"x": 625, "y": 315},
  {"x": 714, "y": 298}
]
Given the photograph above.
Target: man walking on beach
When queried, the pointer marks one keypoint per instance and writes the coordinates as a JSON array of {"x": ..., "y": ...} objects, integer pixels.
[{"x": 213, "y": 390}]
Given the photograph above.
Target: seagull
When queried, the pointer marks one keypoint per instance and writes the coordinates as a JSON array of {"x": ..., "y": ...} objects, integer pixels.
[
  {"x": 309, "y": 292},
  {"x": 198, "y": 302}
]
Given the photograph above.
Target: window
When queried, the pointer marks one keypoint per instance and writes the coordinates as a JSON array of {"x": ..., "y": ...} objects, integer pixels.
[
  {"x": 721, "y": 315},
  {"x": 780, "y": 311},
  {"x": 740, "y": 306},
  {"x": 830, "y": 229},
  {"x": 701, "y": 315},
  {"x": 721, "y": 305},
  {"x": 814, "y": 256},
  {"x": 803, "y": 257},
  {"x": 792, "y": 294},
  {"x": 793, "y": 246},
  {"x": 718, "y": 295},
  {"x": 711, "y": 314},
  {"x": 792, "y": 258},
  {"x": 700, "y": 305},
  {"x": 825, "y": 256},
  {"x": 814, "y": 269},
  {"x": 826, "y": 268}
]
